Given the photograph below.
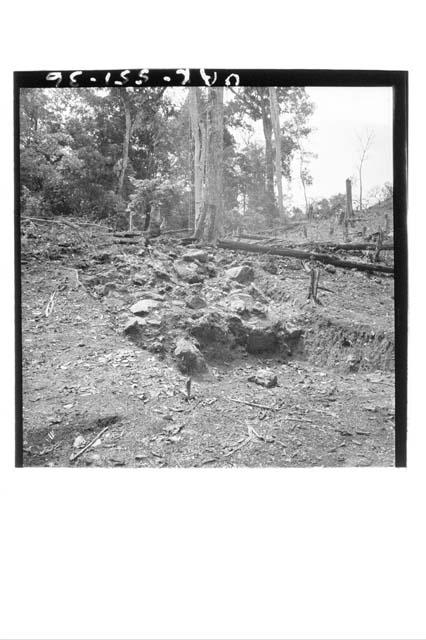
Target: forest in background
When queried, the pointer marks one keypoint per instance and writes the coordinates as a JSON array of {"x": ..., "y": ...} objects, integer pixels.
[{"x": 188, "y": 156}]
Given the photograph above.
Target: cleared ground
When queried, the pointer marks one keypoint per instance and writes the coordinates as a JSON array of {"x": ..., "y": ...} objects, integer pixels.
[{"x": 333, "y": 404}]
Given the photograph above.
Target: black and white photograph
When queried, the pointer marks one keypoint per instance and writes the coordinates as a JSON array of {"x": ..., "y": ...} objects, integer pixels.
[
  {"x": 207, "y": 274},
  {"x": 212, "y": 275}
]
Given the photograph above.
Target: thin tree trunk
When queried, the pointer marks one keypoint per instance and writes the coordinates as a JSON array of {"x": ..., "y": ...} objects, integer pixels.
[
  {"x": 269, "y": 186},
  {"x": 365, "y": 146},
  {"x": 195, "y": 128},
  {"x": 275, "y": 113},
  {"x": 126, "y": 143},
  {"x": 349, "y": 208},
  {"x": 204, "y": 139},
  {"x": 302, "y": 179}
]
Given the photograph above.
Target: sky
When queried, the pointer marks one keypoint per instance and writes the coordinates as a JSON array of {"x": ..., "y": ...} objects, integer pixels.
[{"x": 340, "y": 114}]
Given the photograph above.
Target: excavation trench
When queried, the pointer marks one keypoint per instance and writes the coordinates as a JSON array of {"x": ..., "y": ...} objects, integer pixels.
[{"x": 222, "y": 337}]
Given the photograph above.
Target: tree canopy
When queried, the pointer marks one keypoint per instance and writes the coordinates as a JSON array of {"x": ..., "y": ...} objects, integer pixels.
[{"x": 105, "y": 153}]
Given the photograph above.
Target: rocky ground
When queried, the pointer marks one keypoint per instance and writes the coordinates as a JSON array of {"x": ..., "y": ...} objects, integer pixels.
[{"x": 190, "y": 356}]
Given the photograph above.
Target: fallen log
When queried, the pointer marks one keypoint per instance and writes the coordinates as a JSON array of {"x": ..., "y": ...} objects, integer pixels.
[
  {"x": 126, "y": 241},
  {"x": 252, "y": 236},
  {"x": 169, "y": 232},
  {"x": 304, "y": 255},
  {"x": 73, "y": 224},
  {"x": 127, "y": 234},
  {"x": 188, "y": 240},
  {"x": 285, "y": 227},
  {"x": 348, "y": 246}
]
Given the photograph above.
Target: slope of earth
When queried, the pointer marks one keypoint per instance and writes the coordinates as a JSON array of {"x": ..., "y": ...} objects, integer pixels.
[{"x": 327, "y": 370}]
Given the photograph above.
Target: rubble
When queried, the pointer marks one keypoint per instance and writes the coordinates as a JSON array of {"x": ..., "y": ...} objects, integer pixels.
[
  {"x": 143, "y": 307},
  {"x": 188, "y": 271},
  {"x": 241, "y": 303},
  {"x": 241, "y": 274},
  {"x": 151, "y": 295},
  {"x": 134, "y": 326},
  {"x": 265, "y": 378},
  {"x": 196, "y": 302},
  {"x": 195, "y": 254}
]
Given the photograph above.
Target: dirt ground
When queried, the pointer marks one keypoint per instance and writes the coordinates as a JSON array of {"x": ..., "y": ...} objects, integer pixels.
[{"x": 332, "y": 403}]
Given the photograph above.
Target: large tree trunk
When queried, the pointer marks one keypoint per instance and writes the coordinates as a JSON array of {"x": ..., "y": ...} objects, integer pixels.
[
  {"x": 126, "y": 143},
  {"x": 198, "y": 165},
  {"x": 304, "y": 255},
  {"x": 267, "y": 132},
  {"x": 211, "y": 219},
  {"x": 275, "y": 113},
  {"x": 218, "y": 152}
]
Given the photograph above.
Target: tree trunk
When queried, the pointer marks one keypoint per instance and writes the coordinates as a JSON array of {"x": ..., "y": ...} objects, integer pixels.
[
  {"x": 304, "y": 255},
  {"x": 211, "y": 221},
  {"x": 349, "y": 208},
  {"x": 302, "y": 179},
  {"x": 269, "y": 186},
  {"x": 126, "y": 143},
  {"x": 275, "y": 113},
  {"x": 198, "y": 167},
  {"x": 360, "y": 188}
]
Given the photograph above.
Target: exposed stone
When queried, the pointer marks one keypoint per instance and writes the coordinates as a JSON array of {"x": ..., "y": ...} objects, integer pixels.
[
  {"x": 237, "y": 329},
  {"x": 189, "y": 358},
  {"x": 157, "y": 346},
  {"x": 195, "y": 254},
  {"x": 259, "y": 310},
  {"x": 216, "y": 331},
  {"x": 108, "y": 287},
  {"x": 91, "y": 281},
  {"x": 151, "y": 295},
  {"x": 134, "y": 326},
  {"x": 270, "y": 266},
  {"x": 261, "y": 339},
  {"x": 210, "y": 329},
  {"x": 241, "y": 303},
  {"x": 196, "y": 302},
  {"x": 264, "y": 378},
  {"x": 165, "y": 289},
  {"x": 188, "y": 271},
  {"x": 153, "y": 322},
  {"x": 79, "y": 442},
  {"x": 210, "y": 270},
  {"x": 158, "y": 268},
  {"x": 241, "y": 274},
  {"x": 161, "y": 273},
  {"x": 143, "y": 307},
  {"x": 139, "y": 278},
  {"x": 258, "y": 294}
]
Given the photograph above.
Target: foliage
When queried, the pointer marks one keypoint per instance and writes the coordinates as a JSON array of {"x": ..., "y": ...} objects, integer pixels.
[{"x": 72, "y": 150}]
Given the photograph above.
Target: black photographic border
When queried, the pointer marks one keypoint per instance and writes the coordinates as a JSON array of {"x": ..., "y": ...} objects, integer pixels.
[{"x": 398, "y": 80}]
